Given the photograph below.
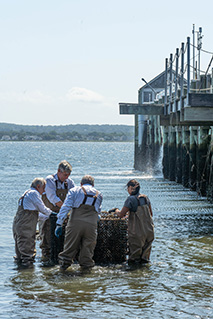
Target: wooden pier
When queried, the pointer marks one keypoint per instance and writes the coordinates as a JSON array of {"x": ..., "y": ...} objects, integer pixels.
[{"x": 176, "y": 113}]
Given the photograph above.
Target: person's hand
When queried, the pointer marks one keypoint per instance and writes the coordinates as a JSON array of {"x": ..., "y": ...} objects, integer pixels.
[
  {"x": 59, "y": 204},
  {"x": 58, "y": 231},
  {"x": 53, "y": 214},
  {"x": 113, "y": 210}
]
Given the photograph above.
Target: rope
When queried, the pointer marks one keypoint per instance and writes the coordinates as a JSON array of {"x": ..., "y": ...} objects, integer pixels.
[
  {"x": 201, "y": 49},
  {"x": 195, "y": 90}
]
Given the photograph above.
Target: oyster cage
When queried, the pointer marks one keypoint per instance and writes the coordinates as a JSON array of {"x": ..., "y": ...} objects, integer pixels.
[{"x": 111, "y": 246}]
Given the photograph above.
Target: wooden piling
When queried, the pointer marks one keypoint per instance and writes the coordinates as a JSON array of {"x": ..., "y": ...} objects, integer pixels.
[
  {"x": 192, "y": 158},
  {"x": 210, "y": 170},
  {"x": 178, "y": 168},
  {"x": 185, "y": 155},
  {"x": 165, "y": 152},
  {"x": 203, "y": 143},
  {"x": 172, "y": 153}
]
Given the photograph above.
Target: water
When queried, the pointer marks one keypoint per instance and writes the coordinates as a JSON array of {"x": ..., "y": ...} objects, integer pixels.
[{"x": 177, "y": 284}]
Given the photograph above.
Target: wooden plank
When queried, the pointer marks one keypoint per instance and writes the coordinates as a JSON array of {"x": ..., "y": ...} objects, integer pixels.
[
  {"x": 201, "y": 99},
  {"x": 187, "y": 123},
  {"x": 165, "y": 120},
  {"x": 174, "y": 119},
  {"x": 143, "y": 109},
  {"x": 198, "y": 114}
]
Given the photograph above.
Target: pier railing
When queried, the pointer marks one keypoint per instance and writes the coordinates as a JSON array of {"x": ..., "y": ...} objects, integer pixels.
[
  {"x": 180, "y": 90},
  {"x": 187, "y": 97}
]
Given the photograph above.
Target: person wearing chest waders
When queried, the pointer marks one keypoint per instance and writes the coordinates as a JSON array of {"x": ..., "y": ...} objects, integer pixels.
[
  {"x": 56, "y": 190},
  {"x": 81, "y": 230},
  {"x": 140, "y": 224},
  {"x": 25, "y": 221}
]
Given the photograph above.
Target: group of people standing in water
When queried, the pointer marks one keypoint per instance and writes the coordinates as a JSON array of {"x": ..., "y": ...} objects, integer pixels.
[{"x": 80, "y": 206}]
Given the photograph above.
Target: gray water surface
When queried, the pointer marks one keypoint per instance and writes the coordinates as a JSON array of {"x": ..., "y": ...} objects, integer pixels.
[{"x": 178, "y": 282}]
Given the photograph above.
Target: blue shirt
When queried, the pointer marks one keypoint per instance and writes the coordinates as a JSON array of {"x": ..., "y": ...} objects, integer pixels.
[{"x": 75, "y": 198}]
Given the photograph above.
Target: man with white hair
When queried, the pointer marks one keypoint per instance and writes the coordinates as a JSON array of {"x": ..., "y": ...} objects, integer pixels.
[
  {"x": 25, "y": 221},
  {"x": 55, "y": 193},
  {"x": 81, "y": 230}
]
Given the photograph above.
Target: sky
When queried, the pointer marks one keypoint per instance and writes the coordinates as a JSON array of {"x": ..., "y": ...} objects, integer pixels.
[{"x": 73, "y": 61}]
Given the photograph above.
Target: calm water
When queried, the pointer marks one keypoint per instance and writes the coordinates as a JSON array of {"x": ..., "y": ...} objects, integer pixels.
[{"x": 177, "y": 284}]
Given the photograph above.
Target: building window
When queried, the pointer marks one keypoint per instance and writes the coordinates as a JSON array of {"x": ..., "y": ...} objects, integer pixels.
[{"x": 148, "y": 96}]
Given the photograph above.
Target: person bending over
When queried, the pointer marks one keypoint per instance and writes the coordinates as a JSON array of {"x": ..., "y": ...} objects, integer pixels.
[{"x": 81, "y": 230}]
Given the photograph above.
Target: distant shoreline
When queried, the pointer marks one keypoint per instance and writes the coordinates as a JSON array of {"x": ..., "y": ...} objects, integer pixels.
[
  {"x": 66, "y": 133},
  {"x": 66, "y": 141}
]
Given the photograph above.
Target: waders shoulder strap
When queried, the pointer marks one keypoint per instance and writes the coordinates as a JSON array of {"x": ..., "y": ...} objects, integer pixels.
[
  {"x": 142, "y": 196},
  {"x": 56, "y": 184},
  {"x": 87, "y": 195},
  {"x": 22, "y": 197}
]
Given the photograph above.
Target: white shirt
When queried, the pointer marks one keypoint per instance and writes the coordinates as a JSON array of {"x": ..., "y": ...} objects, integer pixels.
[
  {"x": 50, "y": 188},
  {"x": 75, "y": 198},
  {"x": 32, "y": 201}
]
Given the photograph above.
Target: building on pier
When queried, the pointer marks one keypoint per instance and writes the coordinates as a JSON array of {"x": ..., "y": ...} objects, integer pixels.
[{"x": 175, "y": 111}]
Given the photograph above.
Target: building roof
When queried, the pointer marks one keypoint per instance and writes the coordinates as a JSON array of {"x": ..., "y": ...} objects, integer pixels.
[{"x": 157, "y": 82}]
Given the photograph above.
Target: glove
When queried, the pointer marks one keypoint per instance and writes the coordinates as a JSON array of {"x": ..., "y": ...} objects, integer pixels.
[{"x": 58, "y": 231}]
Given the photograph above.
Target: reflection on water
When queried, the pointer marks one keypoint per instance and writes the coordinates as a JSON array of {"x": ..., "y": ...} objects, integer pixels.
[{"x": 178, "y": 282}]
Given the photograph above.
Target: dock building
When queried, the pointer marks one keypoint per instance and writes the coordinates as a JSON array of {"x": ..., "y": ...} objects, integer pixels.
[{"x": 175, "y": 113}]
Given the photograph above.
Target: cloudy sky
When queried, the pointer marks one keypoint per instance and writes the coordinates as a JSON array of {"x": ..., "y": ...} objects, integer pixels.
[{"x": 73, "y": 61}]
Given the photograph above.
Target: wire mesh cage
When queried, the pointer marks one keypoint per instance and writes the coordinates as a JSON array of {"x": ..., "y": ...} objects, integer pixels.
[{"x": 111, "y": 247}]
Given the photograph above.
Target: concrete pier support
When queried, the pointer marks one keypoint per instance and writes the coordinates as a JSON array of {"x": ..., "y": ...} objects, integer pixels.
[
  {"x": 147, "y": 151},
  {"x": 185, "y": 155},
  {"x": 136, "y": 143}
]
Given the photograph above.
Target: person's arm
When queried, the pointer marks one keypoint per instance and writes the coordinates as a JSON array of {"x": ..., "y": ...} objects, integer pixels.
[
  {"x": 121, "y": 213},
  {"x": 149, "y": 204},
  {"x": 71, "y": 183},
  {"x": 150, "y": 208},
  {"x": 38, "y": 203},
  {"x": 66, "y": 207},
  {"x": 99, "y": 200}
]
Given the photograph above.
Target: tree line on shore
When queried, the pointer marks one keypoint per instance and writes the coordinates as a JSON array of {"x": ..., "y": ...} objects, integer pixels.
[{"x": 78, "y": 132}]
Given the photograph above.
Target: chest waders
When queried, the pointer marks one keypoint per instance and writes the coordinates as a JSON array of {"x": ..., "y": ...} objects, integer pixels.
[
  {"x": 140, "y": 233},
  {"x": 44, "y": 226},
  {"x": 81, "y": 235},
  {"x": 24, "y": 233},
  {"x": 61, "y": 193}
]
